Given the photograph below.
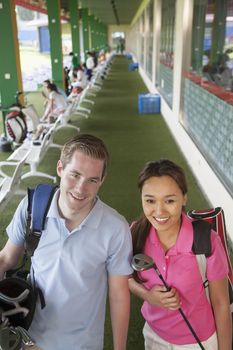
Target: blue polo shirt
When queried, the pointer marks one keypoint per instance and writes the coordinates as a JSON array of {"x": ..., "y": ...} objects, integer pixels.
[{"x": 72, "y": 268}]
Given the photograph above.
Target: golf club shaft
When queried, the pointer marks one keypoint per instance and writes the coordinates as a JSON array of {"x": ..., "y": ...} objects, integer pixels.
[
  {"x": 191, "y": 329},
  {"x": 180, "y": 310}
]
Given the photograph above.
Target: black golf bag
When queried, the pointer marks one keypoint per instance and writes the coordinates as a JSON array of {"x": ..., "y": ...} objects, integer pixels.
[{"x": 17, "y": 307}]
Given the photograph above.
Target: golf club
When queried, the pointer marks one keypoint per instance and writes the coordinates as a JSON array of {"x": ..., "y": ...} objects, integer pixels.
[{"x": 142, "y": 262}]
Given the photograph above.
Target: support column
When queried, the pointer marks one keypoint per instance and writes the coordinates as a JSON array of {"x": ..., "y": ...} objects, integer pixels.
[
  {"x": 183, "y": 30},
  {"x": 156, "y": 39},
  {"x": 92, "y": 25},
  {"x": 53, "y": 7},
  {"x": 99, "y": 35},
  {"x": 10, "y": 70},
  {"x": 85, "y": 27},
  {"x": 198, "y": 34},
  {"x": 74, "y": 21},
  {"x": 103, "y": 36},
  {"x": 218, "y": 32}
]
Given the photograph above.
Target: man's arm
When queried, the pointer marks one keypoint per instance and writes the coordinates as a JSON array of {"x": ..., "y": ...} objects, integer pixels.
[
  {"x": 9, "y": 257},
  {"x": 119, "y": 298}
]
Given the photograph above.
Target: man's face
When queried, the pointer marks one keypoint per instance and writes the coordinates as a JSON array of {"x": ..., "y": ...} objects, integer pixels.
[{"x": 80, "y": 182}]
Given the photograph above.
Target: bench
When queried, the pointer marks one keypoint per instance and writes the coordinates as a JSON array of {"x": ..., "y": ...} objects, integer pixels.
[
  {"x": 36, "y": 151},
  {"x": 10, "y": 185}
]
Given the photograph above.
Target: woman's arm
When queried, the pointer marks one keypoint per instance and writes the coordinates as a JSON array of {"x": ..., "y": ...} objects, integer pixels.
[
  {"x": 52, "y": 101},
  {"x": 219, "y": 297},
  {"x": 158, "y": 295}
]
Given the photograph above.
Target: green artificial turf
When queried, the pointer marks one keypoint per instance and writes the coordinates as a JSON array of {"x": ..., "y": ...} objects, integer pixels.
[{"x": 132, "y": 140}]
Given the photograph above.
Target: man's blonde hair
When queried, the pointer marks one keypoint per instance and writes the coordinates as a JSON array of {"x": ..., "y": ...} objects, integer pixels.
[{"x": 90, "y": 145}]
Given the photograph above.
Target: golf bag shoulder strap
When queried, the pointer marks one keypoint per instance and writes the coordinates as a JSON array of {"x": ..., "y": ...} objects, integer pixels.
[
  {"x": 201, "y": 238},
  {"x": 202, "y": 248},
  {"x": 203, "y": 222},
  {"x": 39, "y": 200}
]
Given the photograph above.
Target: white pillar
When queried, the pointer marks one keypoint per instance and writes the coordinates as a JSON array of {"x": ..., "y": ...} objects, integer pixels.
[{"x": 182, "y": 49}]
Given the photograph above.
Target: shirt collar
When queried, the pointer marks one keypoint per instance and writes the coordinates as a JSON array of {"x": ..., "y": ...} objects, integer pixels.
[
  {"x": 53, "y": 209},
  {"x": 93, "y": 218},
  {"x": 185, "y": 239}
]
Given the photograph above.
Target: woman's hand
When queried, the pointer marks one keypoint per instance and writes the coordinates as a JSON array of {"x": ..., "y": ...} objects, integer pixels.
[{"x": 159, "y": 296}]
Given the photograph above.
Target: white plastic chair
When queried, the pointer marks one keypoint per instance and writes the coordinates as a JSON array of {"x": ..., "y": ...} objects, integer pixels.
[
  {"x": 35, "y": 153},
  {"x": 10, "y": 185}
]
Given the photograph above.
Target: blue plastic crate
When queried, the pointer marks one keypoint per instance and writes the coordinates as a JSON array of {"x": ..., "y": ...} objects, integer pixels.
[
  {"x": 129, "y": 56},
  {"x": 133, "y": 66},
  {"x": 148, "y": 103}
]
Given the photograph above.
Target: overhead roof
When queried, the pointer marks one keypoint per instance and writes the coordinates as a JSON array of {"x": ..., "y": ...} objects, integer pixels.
[{"x": 109, "y": 11}]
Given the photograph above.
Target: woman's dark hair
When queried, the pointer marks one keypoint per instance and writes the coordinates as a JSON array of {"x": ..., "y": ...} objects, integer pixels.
[
  {"x": 74, "y": 74},
  {"x": 162, "y": 167},
  {"x": 47, "y": 81},
  {"x": 52, "y": 87}
]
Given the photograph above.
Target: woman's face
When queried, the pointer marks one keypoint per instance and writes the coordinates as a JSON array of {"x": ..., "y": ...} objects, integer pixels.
[{"x": 162, "y": 202}]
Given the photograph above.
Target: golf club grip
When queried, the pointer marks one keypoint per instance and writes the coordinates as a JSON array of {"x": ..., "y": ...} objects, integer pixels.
[{"x": 191, "y": 329}]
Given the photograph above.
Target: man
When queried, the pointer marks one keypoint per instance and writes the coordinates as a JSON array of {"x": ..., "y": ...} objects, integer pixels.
[
  {"x": 84, "y": 249},
  {"x": 90, "y": 64}
]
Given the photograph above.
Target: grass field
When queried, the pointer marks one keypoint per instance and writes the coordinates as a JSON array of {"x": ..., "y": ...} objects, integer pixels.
[{"x": 35, "y": 58}]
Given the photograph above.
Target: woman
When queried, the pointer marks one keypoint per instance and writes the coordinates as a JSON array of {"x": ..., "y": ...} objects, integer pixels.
[
  {"x": 165, "y": 233},
  {"x": 56, "y": 103}
]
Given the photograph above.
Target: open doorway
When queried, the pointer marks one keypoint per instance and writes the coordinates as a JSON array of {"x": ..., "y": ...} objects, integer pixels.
[{"x": 118, "y": 42}]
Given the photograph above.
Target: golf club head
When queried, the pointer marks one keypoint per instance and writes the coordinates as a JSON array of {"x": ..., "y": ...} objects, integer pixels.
[{"x": 142, "y": 262}]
